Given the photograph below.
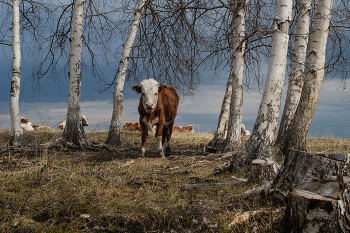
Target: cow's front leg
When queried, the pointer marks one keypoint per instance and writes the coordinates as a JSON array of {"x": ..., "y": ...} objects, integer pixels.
[
  {"x": 159, "y": 134},
  {"x": 144, "y": 136},
  {"x": 167, "y": 134}
]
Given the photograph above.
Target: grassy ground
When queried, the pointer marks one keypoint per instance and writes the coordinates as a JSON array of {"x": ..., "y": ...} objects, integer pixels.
[{"x": 102, "y": 191}]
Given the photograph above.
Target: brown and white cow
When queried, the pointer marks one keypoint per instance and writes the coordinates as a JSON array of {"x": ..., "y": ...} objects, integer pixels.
[
  {"x": 26, "y": 124},
  {"x": 177, "y": 129},
  {"x": 157, "y": 107},
  {"x": 84, "y": 121},
  {"x": 183, "y": 129},
  {"x": 188, "y": 129},
  {"x": 41, "y": 128},
  {"x": 128, "y": 126},
  {"x": 244, "y": 132}
]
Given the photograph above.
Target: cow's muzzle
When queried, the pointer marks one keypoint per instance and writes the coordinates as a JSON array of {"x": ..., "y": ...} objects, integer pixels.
[{"x": 149, "y": 108}]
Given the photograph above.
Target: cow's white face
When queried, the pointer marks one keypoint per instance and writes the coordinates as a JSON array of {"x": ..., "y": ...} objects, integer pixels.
[
  {"x": 149, "y": 90},
  {"x": 84, "y": 120}
]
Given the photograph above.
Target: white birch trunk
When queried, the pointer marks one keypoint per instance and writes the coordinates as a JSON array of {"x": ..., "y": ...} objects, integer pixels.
[
  {"x": 304, "y": 114},
  {"x": 114, "y": 129},
  {"x": 74, "y": 132},
  {"x": 17, "y": 138},
  {"x": 259, "y": 145},
  {"x": 221, "y": 130},
  {"x": 233, "y": 137},
  {"x": 297, "y": 68}
]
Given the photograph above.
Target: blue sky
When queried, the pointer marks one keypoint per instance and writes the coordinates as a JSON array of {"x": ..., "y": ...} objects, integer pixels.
[{"x": 201, "y": 110}]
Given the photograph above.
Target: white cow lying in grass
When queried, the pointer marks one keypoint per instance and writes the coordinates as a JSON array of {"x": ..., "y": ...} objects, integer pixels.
[
  {"x": 244, "y": 132},
  {"x": 26, "y": 124}
]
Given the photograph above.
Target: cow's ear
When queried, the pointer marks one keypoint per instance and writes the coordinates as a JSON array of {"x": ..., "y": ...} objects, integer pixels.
[
  {"x": 160, "y": 87},
  {"x": 137, "y": 89}
]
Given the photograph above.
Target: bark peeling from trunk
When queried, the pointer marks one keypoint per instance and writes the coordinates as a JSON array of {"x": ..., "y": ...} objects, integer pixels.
[
  {"x": 221, "y": 130},
  {"x": 74, "y": 132},
  {"x": 260, "y": 144},
  {"x": 300, "y": 125},
  {"x": 16, "y": 136},
  {"x": 114, "y": 129},
  {"x": 296, "y": 76},
  {"x": 233, "y": 138},
  {"x": 228, "y": 133}
]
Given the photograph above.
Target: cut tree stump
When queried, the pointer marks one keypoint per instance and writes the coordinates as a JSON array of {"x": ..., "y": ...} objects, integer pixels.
[
  {"x": 263, "y": 170},
  {"x": 318, "y": 198},
  {"x": 301, "y": 166},
  {"x": 318, "y": 206}
]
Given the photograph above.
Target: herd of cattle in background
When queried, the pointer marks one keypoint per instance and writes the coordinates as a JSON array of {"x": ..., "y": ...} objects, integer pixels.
[
  {"x": 128, "y": 126},
  {"x": 158, "y": 106},
  {"x": 28, "y": 126}
]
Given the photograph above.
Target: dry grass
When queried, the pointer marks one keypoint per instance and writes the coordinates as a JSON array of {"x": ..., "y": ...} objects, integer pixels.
[{"x": 89, "y": 191}]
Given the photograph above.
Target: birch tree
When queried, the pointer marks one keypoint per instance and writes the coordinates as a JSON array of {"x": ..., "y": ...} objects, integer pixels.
[
  {"x": 253, "y": 45},
  {"x": 166, "y": 47},
  {"x": 259, "y": 147},
  {"x": 233, "y": 138},
  {"x": 221, "y": 130},
  {"x": 114, "y": 128},
  {"x": 74, "y": 132},
  {"x": 296, "y": 76},
  {"x": 300, "y": 125},
  {"x": 16, "y": 138}
]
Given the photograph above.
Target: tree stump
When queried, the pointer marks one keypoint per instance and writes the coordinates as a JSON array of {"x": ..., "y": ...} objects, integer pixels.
[
  {"x": 318, "y": 206},
  {"x": 301, "y": 166},
  {"x": 263, "y": 170},
  {"x": 318, "y": 198}
]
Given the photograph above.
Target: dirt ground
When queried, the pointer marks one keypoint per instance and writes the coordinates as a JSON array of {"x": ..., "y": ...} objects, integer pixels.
[{"x": 102, "y": 190}]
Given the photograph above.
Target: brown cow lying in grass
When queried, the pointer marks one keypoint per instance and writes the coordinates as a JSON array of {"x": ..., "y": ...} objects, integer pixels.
[
  {"x": 183, "y": 129},
  {"x": 41, "y": 128},
  {"x": 84, "y": 121},
  {"x": 128, "y": 126},
  {"x": 27, "y": 126},
  {"x": 157, "y": 107}
]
